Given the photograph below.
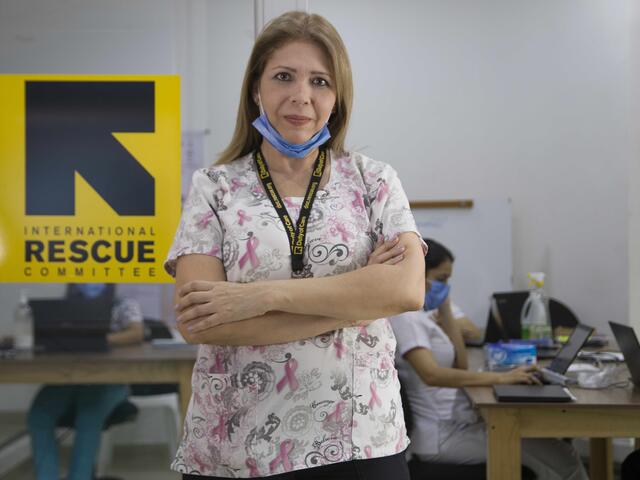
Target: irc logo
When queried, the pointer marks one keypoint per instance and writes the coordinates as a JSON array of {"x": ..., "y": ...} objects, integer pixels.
[
  {"x": 69, "y": 129},
  {"x": 91, "y": 177}
]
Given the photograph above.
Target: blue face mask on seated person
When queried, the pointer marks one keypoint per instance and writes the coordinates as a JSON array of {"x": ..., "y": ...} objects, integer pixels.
[
  {"x": 292, "y": 150},
  {"x": 91, "y": 290},
  {"x": 436, "y": 295}
]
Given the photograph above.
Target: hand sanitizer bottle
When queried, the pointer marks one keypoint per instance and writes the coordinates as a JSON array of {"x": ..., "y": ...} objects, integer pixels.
[{"x": 23, "y": 324}]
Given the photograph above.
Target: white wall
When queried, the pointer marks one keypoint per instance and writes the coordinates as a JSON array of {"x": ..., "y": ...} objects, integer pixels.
[
  {"x": 207, "y": 43},
  {"x": 634, "y": 184},
  {"x": 79, "y": 36},
  {"x": 527, "y": 100}
]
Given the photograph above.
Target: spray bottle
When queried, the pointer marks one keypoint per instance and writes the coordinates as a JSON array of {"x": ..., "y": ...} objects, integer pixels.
[
  {"x": 534, "y": 318},
  {"x": 23, "y": 324}
]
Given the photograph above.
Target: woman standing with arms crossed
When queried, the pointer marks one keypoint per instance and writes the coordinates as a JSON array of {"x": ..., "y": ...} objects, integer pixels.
[{"x": 295, "y": 368}]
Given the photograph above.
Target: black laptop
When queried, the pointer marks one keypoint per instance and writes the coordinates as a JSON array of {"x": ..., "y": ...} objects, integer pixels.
[
  {"x": 71, "y": 325},
  {"x": 531, "y": 393},
  {"x": 559, "y": 366},
  {"x": 567, "y": 354},
  {"x": 630, "y": 348}
]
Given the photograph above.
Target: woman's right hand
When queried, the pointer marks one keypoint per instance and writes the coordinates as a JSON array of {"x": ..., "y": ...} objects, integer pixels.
[
  {"x": 387, "y": 253},
  {"x": 525, "y": 374}
]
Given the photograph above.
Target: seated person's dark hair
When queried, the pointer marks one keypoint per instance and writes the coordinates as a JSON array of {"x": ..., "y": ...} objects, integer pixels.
[{"x": 437, "y": 254}]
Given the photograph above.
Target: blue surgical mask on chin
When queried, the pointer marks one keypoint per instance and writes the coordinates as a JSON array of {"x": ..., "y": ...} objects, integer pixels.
[
  {"x": 436, "y": 295},
  {"x": 91, "y": 290},
  {"x": 292, "y": 150}
]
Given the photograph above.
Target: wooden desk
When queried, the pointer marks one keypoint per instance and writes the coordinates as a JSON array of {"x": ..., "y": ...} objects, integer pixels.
[
  {"x": 598, "y": 414},
  {"x": 135, "y": 364}
]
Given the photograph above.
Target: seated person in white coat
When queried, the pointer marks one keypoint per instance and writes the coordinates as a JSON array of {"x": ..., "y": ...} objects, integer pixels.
[{"x": 431, "y": 360}]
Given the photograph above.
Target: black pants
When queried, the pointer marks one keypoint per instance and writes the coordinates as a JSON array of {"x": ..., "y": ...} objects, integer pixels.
[
  {"x": 384, "y": 468},
  {"x": 630, "y": 468}
]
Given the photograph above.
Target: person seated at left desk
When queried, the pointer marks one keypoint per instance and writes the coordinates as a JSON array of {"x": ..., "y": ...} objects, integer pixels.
[{"x": 91, "y": 404}]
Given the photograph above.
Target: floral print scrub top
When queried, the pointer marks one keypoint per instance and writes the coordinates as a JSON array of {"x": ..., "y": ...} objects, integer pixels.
[{"x": 260, "y": 411}]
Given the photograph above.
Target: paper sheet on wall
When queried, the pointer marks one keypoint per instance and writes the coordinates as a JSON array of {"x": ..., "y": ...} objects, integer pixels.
[
  {"x": 192, "y": 156},
  {"x": 480, "y": 240}
]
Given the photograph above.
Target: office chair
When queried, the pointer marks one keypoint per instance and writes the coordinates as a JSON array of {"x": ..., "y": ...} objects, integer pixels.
[
  {"x": 124, "y": 412},
  {"x": 161, "y": 398},
  {"x": 561, "y": 315}
]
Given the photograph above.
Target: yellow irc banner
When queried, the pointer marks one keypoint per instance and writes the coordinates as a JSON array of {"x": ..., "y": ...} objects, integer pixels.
[{"x": 90, "y": 169}]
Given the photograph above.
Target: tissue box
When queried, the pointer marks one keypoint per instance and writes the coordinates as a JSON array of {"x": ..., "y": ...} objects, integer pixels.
[{"x": 502, "y": 356}]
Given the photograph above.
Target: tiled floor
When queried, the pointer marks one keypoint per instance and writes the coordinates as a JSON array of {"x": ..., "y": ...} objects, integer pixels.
[
  {"x": 129, "y": 463},
  {"x": 137, "y": 462},
  {"x": 11, "y": 424}
]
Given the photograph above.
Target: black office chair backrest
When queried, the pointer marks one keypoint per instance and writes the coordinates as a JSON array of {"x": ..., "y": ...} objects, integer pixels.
[
  {"x": 124, "y": 412},
  {"x": 154, "y": 328},
  {"x": 510, "y": 305},
  {"x": 561, "y": 315}
]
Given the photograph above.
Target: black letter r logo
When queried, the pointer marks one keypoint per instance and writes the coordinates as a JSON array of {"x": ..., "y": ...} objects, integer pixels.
[{"x": 69, "y": 129}]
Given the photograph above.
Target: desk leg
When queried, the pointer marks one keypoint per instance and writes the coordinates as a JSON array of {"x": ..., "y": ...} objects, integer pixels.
[
  {"x": 601, "y": 459},
  {"x": 503, "y": 444},
  {"x": 185, "y": 388}
]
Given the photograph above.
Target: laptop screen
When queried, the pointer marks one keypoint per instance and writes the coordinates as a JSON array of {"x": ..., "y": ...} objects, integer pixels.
[
  {"x": 628, "y": 343},
  {"x": 568, "y": 352}
]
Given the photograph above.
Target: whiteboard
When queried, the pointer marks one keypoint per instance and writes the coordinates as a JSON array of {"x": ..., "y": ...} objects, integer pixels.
[{"x": 480, "y": 240}]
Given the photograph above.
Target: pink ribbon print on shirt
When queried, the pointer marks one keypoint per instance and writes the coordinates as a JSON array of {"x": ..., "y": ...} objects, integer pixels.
[
  {"x": 339, "y": 346},
  {"x": 289, "y": 377},
  {"x": 236, "y": 183},
  {"x": 336, "y": 415},
  {"x": 243, "y": 217},
  {"x": 282, "y": 457},
  {"x": 250, "y": 255},
  {"x": 253, "y": 467},
  {"x": 218, "y": 367},
  {"x": 206, "y": 218},
  {"x": 375, "y": 399},
  {"x": 358, "y": 201},
  {"x": 338, "y": 228},
  {"x": 220, "y": 429},
  {"x": 383, "y": 191}
]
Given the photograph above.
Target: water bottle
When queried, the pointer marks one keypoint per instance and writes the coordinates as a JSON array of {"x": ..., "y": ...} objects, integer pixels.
[
  {"x": 23, "y": 324},
  {"x": 534, "y": 317}
]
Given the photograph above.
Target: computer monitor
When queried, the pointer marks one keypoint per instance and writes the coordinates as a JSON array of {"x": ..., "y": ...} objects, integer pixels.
[{"x": 504, "y": 316}]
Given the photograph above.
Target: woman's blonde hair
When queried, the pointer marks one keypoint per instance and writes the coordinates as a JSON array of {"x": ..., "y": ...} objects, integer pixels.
[{"x": 288, "y": 27}]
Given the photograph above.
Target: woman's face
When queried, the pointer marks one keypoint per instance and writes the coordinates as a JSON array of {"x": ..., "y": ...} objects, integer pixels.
[
  {"x": 441, "y": 273},
  {"x": 297, "y": 90}
]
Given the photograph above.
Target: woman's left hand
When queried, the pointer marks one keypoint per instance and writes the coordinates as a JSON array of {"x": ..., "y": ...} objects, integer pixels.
[
  {"x": 204, "y": 304},
  {"x": 387, "y": 253}
]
